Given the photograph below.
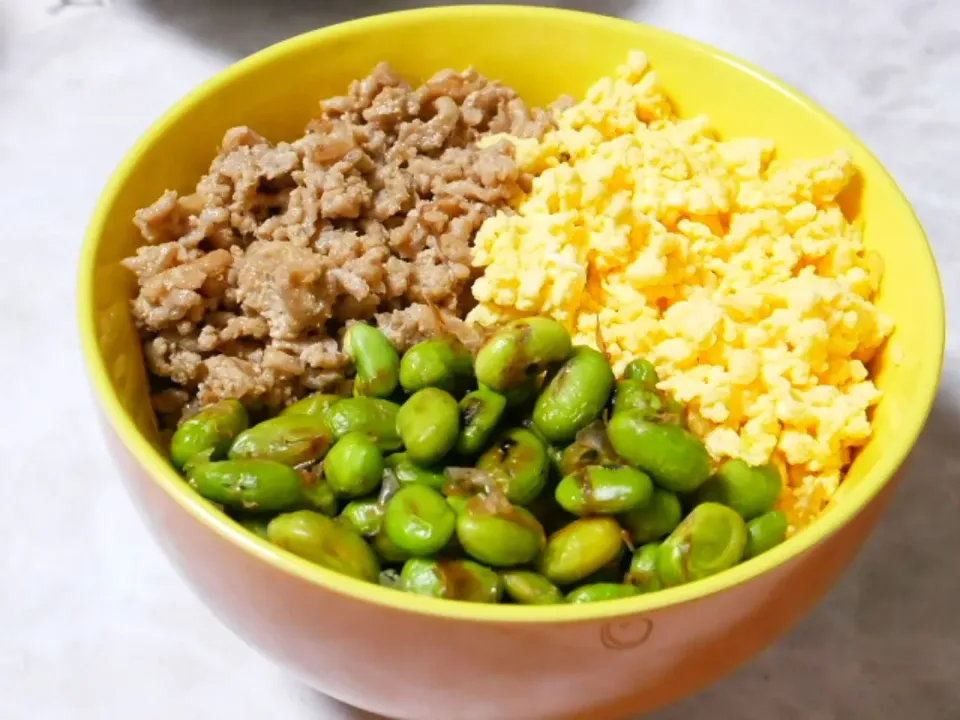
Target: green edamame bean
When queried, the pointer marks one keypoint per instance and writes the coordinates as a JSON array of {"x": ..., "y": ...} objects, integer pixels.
[
  {"x": 504, "y": 537},
  {"x": 365, "y": 516},
  {"x": 751, "y": 491},
  {"x": 635, "y": 395},
  {"x": 387, "y": 550},
  {"x": 642, "y": 371},
  {"x": 354, "y": 465},
  {"x": 211, "y": 430},
  {"x": 458, "y": 503},
  {"x": 526, "y": 587},
  {"x": 655, "y": 520},
  {"x": 376, "y": 360},
  {"x": 256, "y": 525},
  {"x": 709, "y": 540},
  {"x": 676, "y": 458},
  {"x": 580, "y": 549},
  {"x": 317, "y": 492},
  {"x": 418, "y": 520},
  {"x": 519, "y": 462},
  {"x": 374, "y": 416},
  {"x": 408, "y": 472},
  {"x": 442, "y": 363},
  {"x": 451, "y": 579},
  {"x": 521, "y": 350},
  {"x": 325, "y": 542},
  {"x": 604, "y": 490},
  {"x": 518, "y": 395},
  {"x": 428, "y": 423},
  {"x": 575, "y": 396},
  {"x": 590, "y": 448},
  {"x": 480, "y": 411},
  {"x": 643, "y": 569},
  {"x": 290, "y": 439},
  {"x": 599, "y": 592},
  {"x": 765, "y": 532},
  {"x": 315, "y": 405},
  {"x": 256, "y": 485}
]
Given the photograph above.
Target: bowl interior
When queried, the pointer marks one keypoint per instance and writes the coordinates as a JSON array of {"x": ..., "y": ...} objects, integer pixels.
[{"x": 541, "y": 53}]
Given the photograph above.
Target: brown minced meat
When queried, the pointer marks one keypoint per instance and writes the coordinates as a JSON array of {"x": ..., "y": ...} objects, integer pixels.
[{"x": 246, "y": 284}]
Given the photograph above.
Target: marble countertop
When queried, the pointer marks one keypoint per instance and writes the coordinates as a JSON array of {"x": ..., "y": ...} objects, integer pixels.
[{"x": 95, "y": 625}]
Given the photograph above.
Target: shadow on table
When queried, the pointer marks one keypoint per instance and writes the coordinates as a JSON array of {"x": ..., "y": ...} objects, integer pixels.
[
  {"x": 885, "y": 644},
  {"x": 241, "y": 27}
]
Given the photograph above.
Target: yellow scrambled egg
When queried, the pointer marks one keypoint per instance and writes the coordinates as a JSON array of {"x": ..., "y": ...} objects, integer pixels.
[{"x": 735, "y": 273}]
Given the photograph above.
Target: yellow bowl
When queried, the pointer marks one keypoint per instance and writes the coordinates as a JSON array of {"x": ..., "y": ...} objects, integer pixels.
[{"x": 410, "y": 657}]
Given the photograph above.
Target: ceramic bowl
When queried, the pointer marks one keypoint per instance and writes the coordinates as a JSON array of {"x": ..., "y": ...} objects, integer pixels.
[{"x": 416, "y": 658}]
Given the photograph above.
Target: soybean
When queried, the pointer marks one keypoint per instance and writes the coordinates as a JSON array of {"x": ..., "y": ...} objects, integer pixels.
[
  {"x": 519, "y": 461},
  {"x": 373, "y": 416},
  {"x": 526, "y": 587},
  {"x": 408, "y": 472},
  {"x": 376, "y": 360},
  {"x": 365, "y": 516},
  {"x": 580, "y": 549},
  {"x": 504, "y": 538},
  {"x": 354, "y": 466},
  {"x": 656, "y": 519},
  {"x": 643, "y": 572},
  {"x": 315, "y": 405},
  {"x": 290, "y": 439},
  {"x": 325, "y": 542},
  {"x": 211, "y": 430},
  {"x": 676, "y": 458},
  {"x": 575, "y": 396},
  {"x": 604, "y": 490},
  {"x": 480, "y": 412},
  {"x": 428, "y": 424},
  {"x": 635, "y": 395},
  {"x": 451, "y": 579},
  {"x": 750, "y": 490},
  {"x": 600, "y": 592},
  {"x": 642, "y": 371},
  {"x": 253, "y": 485},
  {"x": 521, "y": 350},
  {"x": 764, "y": 533},
  {"x": 317, "y": 493},
  {"x": 418, "y": 520},
  {"x": 709, "y": 540},
  {"x": 442, "y": 363}
]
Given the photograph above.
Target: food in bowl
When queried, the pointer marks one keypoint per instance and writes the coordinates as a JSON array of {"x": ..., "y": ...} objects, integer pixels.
[{"x": 484, "y": 444}]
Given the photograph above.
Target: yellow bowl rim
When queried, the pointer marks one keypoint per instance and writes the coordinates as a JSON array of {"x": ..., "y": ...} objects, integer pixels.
[{"x": 166, "y": 477}]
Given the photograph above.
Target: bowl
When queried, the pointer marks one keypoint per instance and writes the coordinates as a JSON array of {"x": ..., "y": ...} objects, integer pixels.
[{"x": 416, "y": 658}]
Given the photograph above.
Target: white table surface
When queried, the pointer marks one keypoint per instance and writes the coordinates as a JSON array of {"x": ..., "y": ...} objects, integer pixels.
[{"x": 95, "y": 625}]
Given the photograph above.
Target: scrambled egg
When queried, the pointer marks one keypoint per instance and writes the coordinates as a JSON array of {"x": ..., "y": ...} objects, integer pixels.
[{"x": 735, "y": 273}]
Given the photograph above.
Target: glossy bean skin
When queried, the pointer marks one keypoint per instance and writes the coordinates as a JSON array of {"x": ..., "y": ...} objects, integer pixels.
[
  {"x": 315, "y": 405},
  {"x": 764, "y": 533},
  {"x": 674, "y": 457},
  {"x": 388, "y": 551},
  {"x": 374, "y": 416},
  {"x": 710, "y": 539},
  {"x": 289, "y": 439},
  {"x": 480, "y": 412},
  {"x": 519, "y": 460},
  {"x": 655, "y": 520},
  {"x": 375, "y": 358},
  {"x": 521, "y": 350},
  {"x": 750, "y": 490},
  {"x": 601, "y": 592},
  {"x": 642, "y": 371},
  {"x": 441, "y": 363},
  {"x": 408, "y": 472},
  {"x": 590, "y": 448},
  {"x": 580, "y": 549},
  {"x": 635, "y": 395},
  {"x": 418, "y": 520},
  {"x": 211, "y": 431},
  {"x": 504, "y": 537},
  {"x": 252, "y": 485},
  {"x": 575, "y": 396},
  {"x": 604, "y": 490},
  {"x": 643, "y": 572},
  {"x": 526, "y": 587},
  {"x": 354, "y": 466},
  {"x": 317, "y": 493},
  {"x": 365, "y": 516},
  {"x": 429, "y": 423},
  {"x": 325, "y": 542},
  {"x": 451, "y": 579}
]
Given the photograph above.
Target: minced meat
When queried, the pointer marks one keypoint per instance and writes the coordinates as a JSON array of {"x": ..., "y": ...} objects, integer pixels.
[{"x": 246, "y": 283}]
